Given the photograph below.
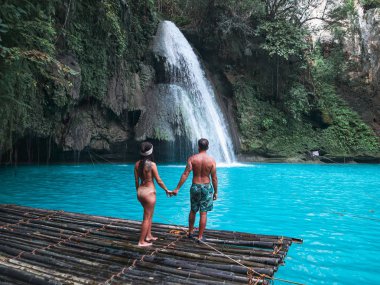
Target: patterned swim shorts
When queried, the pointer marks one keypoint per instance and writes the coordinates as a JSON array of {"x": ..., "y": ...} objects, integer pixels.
[{"x": 201, "y": 197}]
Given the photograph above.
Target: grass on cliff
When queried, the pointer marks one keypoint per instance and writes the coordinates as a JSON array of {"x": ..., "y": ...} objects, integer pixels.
[
  {"x": 104, "y": 37},
  {"x": 305, "y": 120}
]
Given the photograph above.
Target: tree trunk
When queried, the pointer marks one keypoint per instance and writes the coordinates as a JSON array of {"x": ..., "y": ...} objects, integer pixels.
[
  {"x": 15, "y": 154},
  {"x": 29, "y": 149},
  {"x": 49, "y": 151},
  {"x": 277, "y": 77},
  {"x": 38, "y": 151},
  {"x": 10, "y": 156}
]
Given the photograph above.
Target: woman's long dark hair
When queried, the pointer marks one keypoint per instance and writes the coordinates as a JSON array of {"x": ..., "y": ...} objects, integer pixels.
[{"x": 145, "y": 146}]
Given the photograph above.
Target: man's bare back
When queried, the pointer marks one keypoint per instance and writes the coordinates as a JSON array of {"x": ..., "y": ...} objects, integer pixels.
[
  {"x": 202, "y": 166},
  {"x": 201, "y": 192}
]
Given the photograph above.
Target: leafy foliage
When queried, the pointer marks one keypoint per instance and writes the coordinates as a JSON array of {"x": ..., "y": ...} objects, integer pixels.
[
  {"x": 370, "y": 4},
  {"x": 350, "y": 133},
  {"x": 280, "y": 83},
  {"x": 26, "y": 65},
  {"x": 35, "y": 87},
  {"x": 282, "y": 38},
  {"x": 297, "y": 102}
]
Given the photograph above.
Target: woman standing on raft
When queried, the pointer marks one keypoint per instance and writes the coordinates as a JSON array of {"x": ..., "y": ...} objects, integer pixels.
[{"x": 145, "y": 171}]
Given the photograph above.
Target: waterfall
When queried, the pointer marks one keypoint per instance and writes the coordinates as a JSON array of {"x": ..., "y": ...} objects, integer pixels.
[{"x": 190, "y": 94}]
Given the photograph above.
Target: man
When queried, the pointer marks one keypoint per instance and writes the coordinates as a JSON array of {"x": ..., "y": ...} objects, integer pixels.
[{"x": 201, "y": 191}]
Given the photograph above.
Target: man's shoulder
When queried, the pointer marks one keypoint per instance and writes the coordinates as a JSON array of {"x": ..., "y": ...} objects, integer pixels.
[
  {"x": 212, "y": 161},
  {"x": 210, "y": 158},
  {"x": 192, "y": 158}
]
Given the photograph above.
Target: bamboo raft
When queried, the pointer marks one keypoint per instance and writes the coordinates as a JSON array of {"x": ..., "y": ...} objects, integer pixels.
[{"x": 40, "y": 246}]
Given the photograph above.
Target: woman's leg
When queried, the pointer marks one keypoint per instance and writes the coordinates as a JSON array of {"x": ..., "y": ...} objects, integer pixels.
[
  {"x": 149, "y": 236},
  {"x": 147, "y": 201}
]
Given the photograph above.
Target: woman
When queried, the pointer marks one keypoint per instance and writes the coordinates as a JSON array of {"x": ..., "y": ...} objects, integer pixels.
[{"x": 145, "y": 171}]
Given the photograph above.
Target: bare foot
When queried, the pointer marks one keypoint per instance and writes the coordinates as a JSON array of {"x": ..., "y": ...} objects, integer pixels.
[
  {"x": 151, "y": 238},
  {"x": 200, "y": 239},
  {"x": 142, "y": 244}
]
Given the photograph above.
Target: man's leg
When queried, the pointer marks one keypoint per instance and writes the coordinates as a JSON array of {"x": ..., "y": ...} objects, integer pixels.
[
  {"x": 191, "y": 221},
  {"x": 202, "y": 224}
]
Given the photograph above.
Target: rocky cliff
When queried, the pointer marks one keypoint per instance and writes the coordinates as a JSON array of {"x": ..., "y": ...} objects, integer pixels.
[
  {"x": 76, "y": 78},
  {"x": 290, "y": 96},
  {"x": 87, "y": 75},
  {"x": 365, "y": 96}
]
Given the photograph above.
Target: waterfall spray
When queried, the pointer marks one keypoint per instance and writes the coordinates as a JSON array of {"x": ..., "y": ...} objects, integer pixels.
[{"x": 192, "y": 93}]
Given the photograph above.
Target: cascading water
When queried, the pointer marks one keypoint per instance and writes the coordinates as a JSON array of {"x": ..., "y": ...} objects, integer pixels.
[{"x": 189, "y": 99}]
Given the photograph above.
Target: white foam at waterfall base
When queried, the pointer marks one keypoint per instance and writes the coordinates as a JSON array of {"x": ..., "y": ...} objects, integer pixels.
[{"x": 198, "y": 103}]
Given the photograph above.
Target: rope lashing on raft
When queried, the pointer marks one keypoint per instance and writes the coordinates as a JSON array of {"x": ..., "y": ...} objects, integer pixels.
[
  {"x": 62, "y": 241},
  {"x": 27, "y": 221},
  {"x": 251, "y": 277},
  {"x": 125, "y": 269},
  {"x": 177, "y": 232},
  {"x": 250, "y": 271},
  {"x": 278, "y": 248},
  {"x": 249, "y": 268}
]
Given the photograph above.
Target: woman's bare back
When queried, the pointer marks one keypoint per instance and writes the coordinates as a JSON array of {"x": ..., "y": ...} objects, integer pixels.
[{"x": 147, "y": 175}]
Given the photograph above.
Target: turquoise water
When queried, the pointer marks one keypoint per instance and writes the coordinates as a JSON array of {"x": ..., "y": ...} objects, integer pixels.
[{"x": 334, "y": 208}]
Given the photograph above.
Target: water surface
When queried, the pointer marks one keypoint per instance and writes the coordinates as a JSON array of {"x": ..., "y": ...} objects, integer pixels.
[{"x": 334, "y": 208}]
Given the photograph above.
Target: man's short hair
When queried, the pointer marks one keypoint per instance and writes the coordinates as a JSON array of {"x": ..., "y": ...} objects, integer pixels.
[{"x": 203, "y": 144}]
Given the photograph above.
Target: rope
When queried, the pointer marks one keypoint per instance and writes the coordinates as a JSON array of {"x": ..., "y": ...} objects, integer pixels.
[
  {"x": 277, "y": 249},
  {"x": 62, "y": 241},
  {"x": 102, "y": 158},
  {"x": 91, "y": 158},
  {"x": 357, "y": 216},
  {"x": 321, "y": 156},
  {"x": 250, "y": 271},
  {"x": 248, "y": 268},
  {"x": 133, "y": 265},
  {"x": 27, "y": 221}
]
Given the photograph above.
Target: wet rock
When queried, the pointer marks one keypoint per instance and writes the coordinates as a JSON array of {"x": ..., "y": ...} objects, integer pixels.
[
  {"x": 125, "y": 90},
  {"x": 71, "y": 61},
  {"x": 90, "y": 127}
]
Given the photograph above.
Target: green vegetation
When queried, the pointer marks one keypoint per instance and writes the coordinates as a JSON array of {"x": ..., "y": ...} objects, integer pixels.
[
  {"x": 103, "y": 37},
  {"x": 370, "y": 4},
  {"x": 285, "y": 89},
  {"x": 28, "y": 70},
  {"x": 314, "y": 119}
]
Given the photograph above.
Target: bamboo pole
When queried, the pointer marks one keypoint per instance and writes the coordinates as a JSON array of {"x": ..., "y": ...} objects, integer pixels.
[
  {"x": 87, "y": 249},
  {"x": 22, "y": 275}
]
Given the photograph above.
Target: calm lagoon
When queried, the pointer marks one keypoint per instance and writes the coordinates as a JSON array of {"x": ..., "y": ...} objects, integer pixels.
[{"x": 335, "y": 209}]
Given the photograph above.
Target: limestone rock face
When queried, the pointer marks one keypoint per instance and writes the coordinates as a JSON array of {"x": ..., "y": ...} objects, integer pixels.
[
  {"x": 370, "y": 26},
  {"x": 362, "y": 46},
  {"x": 125, "y": 90},
  {"x": 371, "y": 43},
  {"x": 366, "y": 51},
  {"x": 90, "y": 127},
  {"x": 161, "y": 119},
  {"x": 70, "y": 61},
  {"x": 117, "y": 93}
]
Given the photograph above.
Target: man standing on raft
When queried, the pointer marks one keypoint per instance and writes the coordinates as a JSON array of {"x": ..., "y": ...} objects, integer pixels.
[{"x": 201, "y": 191}]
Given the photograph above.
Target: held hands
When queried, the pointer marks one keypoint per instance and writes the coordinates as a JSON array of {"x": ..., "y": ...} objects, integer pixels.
[{"x": 171, "y": 193}]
